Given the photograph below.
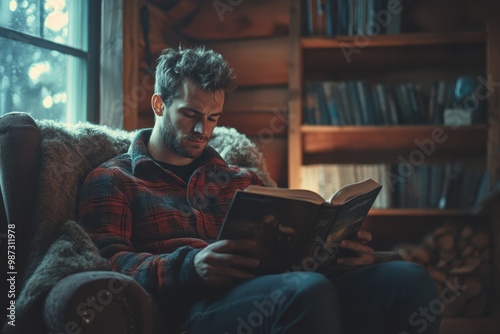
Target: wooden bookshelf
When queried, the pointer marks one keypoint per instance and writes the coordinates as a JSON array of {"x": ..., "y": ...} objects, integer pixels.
[
  {"x": 390, "y": 59},
  {"x": 372, "y": 144},
  {"x": 420, "y": 58}
]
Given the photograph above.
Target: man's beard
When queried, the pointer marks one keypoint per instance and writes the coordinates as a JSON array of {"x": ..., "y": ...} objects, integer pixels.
[{"x": 173, "y": 139}]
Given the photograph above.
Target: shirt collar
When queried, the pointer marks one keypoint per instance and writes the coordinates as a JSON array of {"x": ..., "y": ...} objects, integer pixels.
[{"x": 139, "y": 154}]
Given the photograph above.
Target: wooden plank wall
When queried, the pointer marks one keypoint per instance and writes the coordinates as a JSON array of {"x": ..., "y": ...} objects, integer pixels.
[
  {"x": 253, "y": 37},
  {"x": 138, "y": 76}
]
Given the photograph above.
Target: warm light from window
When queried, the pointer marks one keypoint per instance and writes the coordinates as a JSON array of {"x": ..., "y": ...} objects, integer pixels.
[
  {"x": 57, "y": 19},
  {"x": 48, "y": 102},
  {"x": 13, "y": 5},
  {"x": 36, "y": 70}
]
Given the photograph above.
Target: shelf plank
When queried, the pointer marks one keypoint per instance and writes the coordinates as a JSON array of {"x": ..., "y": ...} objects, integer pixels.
[
  {"x": 422, "y": 39},
  {"x": 418, "y": 212},
  {"x": 372, "y": 144}
]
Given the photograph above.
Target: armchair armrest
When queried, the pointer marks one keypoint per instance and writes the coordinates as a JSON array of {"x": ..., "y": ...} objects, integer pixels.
[{"x": 98, "y": 302}]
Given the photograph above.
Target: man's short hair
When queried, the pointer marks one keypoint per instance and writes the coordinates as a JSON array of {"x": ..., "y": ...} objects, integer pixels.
[{"x": 204, "y": 67}]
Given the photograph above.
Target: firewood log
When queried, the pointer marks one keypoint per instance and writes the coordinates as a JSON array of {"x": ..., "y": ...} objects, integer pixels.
[
  {"x": 467, "y": 251},
  {"x": 480, "y": 240},
  {"x": 446, "y": 242},
  {"x": 476, "y": 306},
  {"x": 455, "y": 308},
  {"x": 474, "y": 288},
  {"x": 467, "y": 232}
]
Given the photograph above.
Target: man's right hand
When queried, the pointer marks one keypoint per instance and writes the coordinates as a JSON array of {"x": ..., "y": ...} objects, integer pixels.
[{"x": 218, "y": 264}]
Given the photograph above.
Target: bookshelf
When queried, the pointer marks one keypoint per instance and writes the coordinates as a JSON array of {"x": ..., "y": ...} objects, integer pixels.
[
  {"x": 419, "y": 57},
  {"x": 390, "y": 58}
]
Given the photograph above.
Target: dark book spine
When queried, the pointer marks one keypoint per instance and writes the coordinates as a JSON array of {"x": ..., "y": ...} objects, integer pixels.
[
  {"x": 331, "y": 17},
  {"x": 311, "y": 18},
  {"x": 343, "y": 17}
]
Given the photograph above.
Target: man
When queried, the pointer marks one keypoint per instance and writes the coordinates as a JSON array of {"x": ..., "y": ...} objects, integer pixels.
[{"x": 155, "y": 211}]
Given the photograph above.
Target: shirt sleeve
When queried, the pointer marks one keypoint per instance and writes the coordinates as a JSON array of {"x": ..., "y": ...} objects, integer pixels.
[{"x": 104, "y": 213}]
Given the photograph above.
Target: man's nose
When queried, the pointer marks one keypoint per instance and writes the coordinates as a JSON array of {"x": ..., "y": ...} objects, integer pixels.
[{"x": 201, "y": 126}]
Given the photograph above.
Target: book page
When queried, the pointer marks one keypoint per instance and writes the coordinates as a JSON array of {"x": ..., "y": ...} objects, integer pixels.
[
  {"x": 352, "y": 190},
  {"x": 299, "y": 194}
]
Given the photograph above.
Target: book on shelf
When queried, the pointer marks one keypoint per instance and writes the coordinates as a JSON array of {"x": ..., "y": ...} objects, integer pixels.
[
  {"x": 332, "y": 99},
  {"x": 297, "y": 228},
  {"x": 342, "y": 17},
  {"x": 436, "y": 177},
  {"x": 312, "y": 112},
  {"x": 330, "y": 15},
  {"x": 316, "y": 17},
  {"x": 393, "y": 25}
]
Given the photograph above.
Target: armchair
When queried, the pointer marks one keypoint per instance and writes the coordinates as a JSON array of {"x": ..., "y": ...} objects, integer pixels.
[{"x": 62, "y": 285}]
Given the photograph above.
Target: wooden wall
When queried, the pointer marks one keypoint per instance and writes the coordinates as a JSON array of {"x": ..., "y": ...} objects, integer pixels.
[{"x": 251, "y": 35}]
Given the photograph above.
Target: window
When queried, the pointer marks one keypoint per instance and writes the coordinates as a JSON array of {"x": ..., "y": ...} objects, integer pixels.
[{"x": 49, "y": 58}]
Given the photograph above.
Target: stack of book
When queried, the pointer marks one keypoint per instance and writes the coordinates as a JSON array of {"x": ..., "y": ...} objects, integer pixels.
[
  {"x": 445, "y": 186},
  {"x": 352, "y": 17},
  {"x": 454, "y": 102}
]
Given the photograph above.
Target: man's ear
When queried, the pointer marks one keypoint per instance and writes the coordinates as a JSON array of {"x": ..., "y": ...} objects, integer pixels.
[{"x": 157, "y": 105}]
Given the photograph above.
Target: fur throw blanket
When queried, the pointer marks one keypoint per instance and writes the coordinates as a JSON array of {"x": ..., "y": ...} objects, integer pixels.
[{"x": 60, "y": 246}]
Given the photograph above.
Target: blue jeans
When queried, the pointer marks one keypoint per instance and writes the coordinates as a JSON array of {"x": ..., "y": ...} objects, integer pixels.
[{"x": 394, "y": 297}]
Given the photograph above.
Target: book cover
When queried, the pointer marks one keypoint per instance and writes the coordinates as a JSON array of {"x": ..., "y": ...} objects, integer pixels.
[{"x": 297, "y": 228}]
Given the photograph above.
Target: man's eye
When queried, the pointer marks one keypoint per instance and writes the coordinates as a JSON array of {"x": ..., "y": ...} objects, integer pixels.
[
  {"x": 189, "y": 113},
  {"x": 213, "y": 119}
]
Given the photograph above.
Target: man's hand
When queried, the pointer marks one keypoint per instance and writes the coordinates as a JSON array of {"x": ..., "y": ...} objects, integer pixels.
[
  {"x": 363, "y": 254},
  {"x": 217, "y": 264}
]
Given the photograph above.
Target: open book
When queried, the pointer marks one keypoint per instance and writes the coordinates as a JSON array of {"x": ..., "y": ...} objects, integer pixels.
[{"x": 297, "y": 228}]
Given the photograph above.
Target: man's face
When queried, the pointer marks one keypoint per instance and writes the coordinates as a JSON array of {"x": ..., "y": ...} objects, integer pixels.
[{"x": 188, "y": 123}]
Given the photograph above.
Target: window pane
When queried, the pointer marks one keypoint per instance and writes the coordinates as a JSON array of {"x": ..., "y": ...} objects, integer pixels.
[
  {"x": 64, "y": 23},
  {"x": 44, "y": 83},
  {"x": 23, "y": 16}
]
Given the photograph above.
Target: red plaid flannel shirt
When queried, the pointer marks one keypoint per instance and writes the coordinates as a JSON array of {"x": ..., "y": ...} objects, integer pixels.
[{"x": 149, "y": 223}]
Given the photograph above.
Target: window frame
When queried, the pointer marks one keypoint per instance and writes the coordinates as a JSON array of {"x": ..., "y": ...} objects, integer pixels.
[{"x": 91, "y": 56}]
